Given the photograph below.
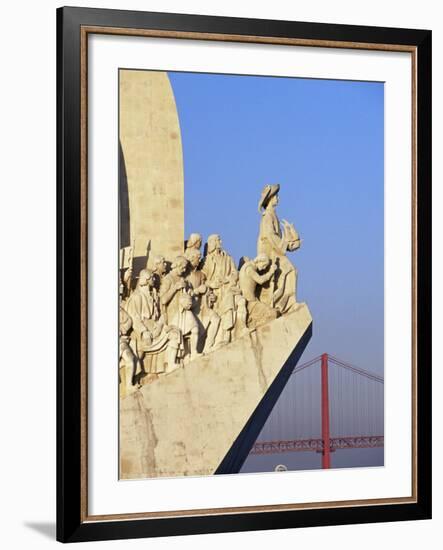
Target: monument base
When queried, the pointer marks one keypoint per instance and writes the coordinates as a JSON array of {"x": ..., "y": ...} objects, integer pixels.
[{"x": 203, "y": 419}]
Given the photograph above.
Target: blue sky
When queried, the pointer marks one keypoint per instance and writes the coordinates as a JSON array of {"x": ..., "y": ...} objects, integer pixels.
[{"x": 322, "y": 141}]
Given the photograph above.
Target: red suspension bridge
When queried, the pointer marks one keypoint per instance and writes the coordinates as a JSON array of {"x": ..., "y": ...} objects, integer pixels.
[{"x": 328, "y": 404}]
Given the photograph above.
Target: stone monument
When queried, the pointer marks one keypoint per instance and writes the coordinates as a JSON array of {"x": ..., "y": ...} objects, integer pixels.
[
  {"x": 152, "y": 155},
  {"x": 205, "y": 348}
]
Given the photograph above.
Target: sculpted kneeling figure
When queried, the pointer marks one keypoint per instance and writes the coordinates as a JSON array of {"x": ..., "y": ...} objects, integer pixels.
[{"x": 251, "y": 281}]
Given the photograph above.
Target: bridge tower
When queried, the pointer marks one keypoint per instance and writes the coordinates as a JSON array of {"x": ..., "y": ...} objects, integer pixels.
[{"x": 325, "y": 425}]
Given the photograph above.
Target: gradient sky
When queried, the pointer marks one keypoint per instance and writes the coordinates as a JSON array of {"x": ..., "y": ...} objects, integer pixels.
[{"x": 323, "y": 142}]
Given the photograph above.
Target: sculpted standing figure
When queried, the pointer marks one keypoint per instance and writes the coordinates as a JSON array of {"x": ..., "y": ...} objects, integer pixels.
[
  {"x": 127, "y": 359},
  {"x": 195, "y": 277},
  {"x": 172, "y": 286},
  {"x": 272, "y": 241},
  {"x": 193, "y": 243},
  {"x": 125, "y": 283},
  {"x": 210, "y": 322},
  {"x": 126, "y": 272},
  {"x": 218, "y": 267},
  {"x": 203, "y": 301},
  {"x": 187, "y": 323},
  {"x": 233, "y": 310},
  {"x": 176, "y": 295},
  {"x": 150, "y": 333},
  {"x": 254, "y": 274},
  {"x": 159, "y": 270}
]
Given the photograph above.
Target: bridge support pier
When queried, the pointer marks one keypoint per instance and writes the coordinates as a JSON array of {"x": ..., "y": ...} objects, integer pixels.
[{"x": 325, "y": 427}]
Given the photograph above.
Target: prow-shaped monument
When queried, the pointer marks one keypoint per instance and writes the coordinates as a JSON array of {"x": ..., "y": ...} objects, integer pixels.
[{"x": 206, "y": 348}]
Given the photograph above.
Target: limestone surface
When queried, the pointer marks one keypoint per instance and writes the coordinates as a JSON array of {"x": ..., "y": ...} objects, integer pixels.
[
  {"x": 204, "y": 417},
  {"x": 153, "y": 163}
]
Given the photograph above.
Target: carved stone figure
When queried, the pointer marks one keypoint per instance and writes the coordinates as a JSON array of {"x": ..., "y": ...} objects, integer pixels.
[
  {"x": 210, "y": 321},
  {"x": 253, "y": 275},
  {"x": 127, "y": 359},
  {"x": 195, "y": 277},
  {"x": 151, "y": 335},
  {"x": 160, "y": 268},
  {"x": 172, "y": 286},
  {"x": 187, "y": 324},
  {"x": 199, "y": 305},
  {"x": 282, "y": 289},
  {"x": 203, "y": 303},
  {"x": 125, "y": 282},
  {"x": 126, "y": 271},
  {"x": 193, "y": 243},
  {"x": 218, "y": 267},
  {"x": 233, "y": 310}
]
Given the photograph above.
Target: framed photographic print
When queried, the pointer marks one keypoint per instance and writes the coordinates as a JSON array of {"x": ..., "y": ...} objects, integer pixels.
[{"x": 244, "y": 274}]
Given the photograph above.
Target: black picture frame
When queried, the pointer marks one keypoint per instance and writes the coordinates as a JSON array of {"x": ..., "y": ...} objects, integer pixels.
[{"x": 72, "y": 523}]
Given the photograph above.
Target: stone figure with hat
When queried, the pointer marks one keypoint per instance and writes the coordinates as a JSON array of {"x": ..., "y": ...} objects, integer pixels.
[{"x": 275, "y": 239}]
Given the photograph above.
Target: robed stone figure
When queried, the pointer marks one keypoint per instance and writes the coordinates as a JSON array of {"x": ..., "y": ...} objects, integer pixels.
[{"x": 275, "y": 241}]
